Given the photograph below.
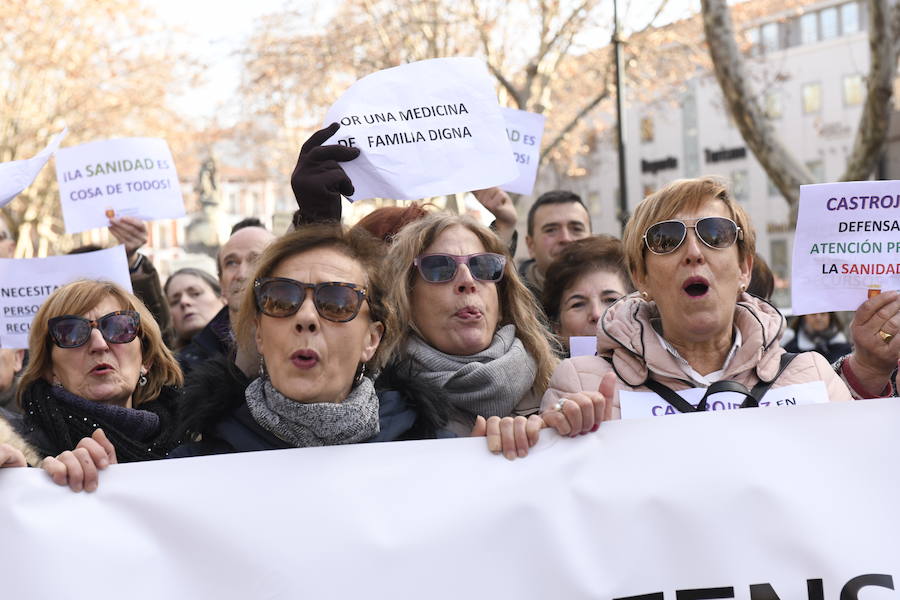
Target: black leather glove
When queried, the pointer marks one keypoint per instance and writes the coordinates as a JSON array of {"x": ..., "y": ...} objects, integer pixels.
[{"x": 319, "y": 181}]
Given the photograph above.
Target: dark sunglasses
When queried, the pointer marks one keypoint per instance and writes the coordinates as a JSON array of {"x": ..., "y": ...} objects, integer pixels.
[
  {"x": 438, "y": 268},
  {"x": 716, "y": 232},
  {"x": 334, "y": 300},
  {"x": 69, "y": 331}
]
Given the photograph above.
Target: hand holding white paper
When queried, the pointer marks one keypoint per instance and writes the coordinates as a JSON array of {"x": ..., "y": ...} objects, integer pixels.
[
  {"x": 17, "y": 175},
  {"x": 127, "y": 177},
  {"x": 846, "y": 246},
  {"x": 26, "y": 282},
  {"x": 425, "y": 129}
]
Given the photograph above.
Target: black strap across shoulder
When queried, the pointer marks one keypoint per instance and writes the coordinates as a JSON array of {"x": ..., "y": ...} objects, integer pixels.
[{"x": 751, "y": 397}]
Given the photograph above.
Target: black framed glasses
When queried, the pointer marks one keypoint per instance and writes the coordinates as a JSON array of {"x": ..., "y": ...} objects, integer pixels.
[
  {"x": 716, "y": 232},
  {"x": 334, "y": 300},
  {"x": 70, "y": 331},
  {"x": 438, "y": 268}
]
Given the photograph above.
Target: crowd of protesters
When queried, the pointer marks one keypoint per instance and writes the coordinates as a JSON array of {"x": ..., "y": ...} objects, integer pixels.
[{"x": 416, "y": 324}]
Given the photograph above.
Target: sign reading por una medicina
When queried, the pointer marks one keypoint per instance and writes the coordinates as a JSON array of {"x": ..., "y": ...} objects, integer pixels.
[{"x": 847, "y": 245}]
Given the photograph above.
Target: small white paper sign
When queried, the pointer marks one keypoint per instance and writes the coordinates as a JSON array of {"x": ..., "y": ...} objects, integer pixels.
[
  {"x": 17, "y": 175},
  {"x": 428, "y": 128},
  {"x": 847, "y": 243},
  {"x": 640, "y": 405},
  {"x": 127, "y": 177},
  {"x": 26, "y": 282},
  {"x": 525, "y": 130},
  {"x": 582, "y": 345}
]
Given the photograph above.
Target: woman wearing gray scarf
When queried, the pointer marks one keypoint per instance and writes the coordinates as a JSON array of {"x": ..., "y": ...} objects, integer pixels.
[
  {"x": 315, "y": 315},
  {"x": 469, "y": 334}
]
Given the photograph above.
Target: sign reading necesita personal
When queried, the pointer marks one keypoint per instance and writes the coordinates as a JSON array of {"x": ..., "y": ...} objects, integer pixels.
[{"x": 846, "y": 246}]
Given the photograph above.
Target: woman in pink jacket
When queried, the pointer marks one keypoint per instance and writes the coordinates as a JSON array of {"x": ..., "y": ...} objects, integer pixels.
[{"x": 691, "y": 325}]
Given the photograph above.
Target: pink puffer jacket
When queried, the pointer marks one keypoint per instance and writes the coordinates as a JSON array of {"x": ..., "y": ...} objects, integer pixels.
[{"x": 626, "y": 335}]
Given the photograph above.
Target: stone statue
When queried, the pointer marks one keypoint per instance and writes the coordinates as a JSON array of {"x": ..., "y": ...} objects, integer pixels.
[{"x": 202, "y": 232}]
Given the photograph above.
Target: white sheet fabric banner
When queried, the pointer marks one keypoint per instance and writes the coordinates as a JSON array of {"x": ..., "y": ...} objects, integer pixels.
[
  {"x": 26, "y": 282},
  {"x": 582, "y": 345},
  {"x": 427, "y": 128},
  {"x": 126, "y": 177},
  {"x": 847, "y": 245},
  {"x": 525, "y": 130},
  {"x": 796, "y": 499},
  {"x": 17, "y": 175}
]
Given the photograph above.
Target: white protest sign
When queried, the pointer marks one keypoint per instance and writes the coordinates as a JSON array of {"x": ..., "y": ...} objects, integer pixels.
[
  {"x": 17, "y": 175},
  {"x": 26, "y": 282},
  {"x": 847, "y": 245},
  {"x": 525, "y": 130},
  {"x": 757, "y": 504},
  {"x": 582, "y": 345},
  {"x": 640, "y": 405},
  {"x": 127, "y": 177},
  {"x": 428, "y": 128}
]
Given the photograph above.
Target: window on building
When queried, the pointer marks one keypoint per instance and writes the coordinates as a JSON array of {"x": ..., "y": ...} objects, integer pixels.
[
  {"x": 647, "y": 132},
  {"x": 739, "y": 186},
  {"x": 817, "y": 170},
  {"x": 812, "y": 98},
  {"x": 771, "y": 37},
  {"x": 773, "y": 105},
  {"x": 850, "y": 18},
  {"x": 828, "y": 23},
  {"x": 809, "y": 28},
  {"x": 753, "y": 40},
  {"x": 854, "y": 90}
]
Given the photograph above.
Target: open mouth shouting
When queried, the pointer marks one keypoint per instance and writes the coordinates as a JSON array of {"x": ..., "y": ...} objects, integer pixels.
[{"x": 695, "y": 287}]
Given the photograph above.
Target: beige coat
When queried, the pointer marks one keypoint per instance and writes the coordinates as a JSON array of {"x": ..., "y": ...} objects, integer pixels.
[{"x": 626, "y": 335}]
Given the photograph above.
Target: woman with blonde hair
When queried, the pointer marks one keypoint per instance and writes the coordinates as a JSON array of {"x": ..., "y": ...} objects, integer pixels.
[
  {"x": 689, "y": 249},
  {"x": 97, "y": 361},
  {"x": 468, "y": 332}
]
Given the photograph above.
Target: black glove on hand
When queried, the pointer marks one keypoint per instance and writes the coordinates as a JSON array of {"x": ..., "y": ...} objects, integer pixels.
[{"x": 319, "y": 181}]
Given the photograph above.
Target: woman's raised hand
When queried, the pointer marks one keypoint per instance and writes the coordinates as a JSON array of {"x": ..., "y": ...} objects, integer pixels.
[
  {"x": 582, "y": 412},
  {"x": 79, "y": 468}
]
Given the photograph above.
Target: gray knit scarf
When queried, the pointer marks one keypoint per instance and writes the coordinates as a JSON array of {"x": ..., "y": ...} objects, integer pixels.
[
  {"x": 315, "y": 424},
  {"x": 489, "y": 383}
]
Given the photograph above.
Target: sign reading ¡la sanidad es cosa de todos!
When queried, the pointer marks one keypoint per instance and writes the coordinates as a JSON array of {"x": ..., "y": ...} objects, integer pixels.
[
  {"x": 26, "y": 282},
  {"x": 427, "y": 128},
  {"x": 760, "y": 504},
  {"x": 847, "y": 245},
  {"x": 126, "y": 177}
]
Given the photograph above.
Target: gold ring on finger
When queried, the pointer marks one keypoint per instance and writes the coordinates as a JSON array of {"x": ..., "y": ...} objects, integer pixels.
[{"x": 885, "y": 336}]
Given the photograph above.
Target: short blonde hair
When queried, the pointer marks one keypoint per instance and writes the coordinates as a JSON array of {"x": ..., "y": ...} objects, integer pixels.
[
  {"x": 681, "y": 195},
  {"x": 354, "y": 243},
  {"x": 79, "y": 297},
  {"x": 517, "y": 305}
]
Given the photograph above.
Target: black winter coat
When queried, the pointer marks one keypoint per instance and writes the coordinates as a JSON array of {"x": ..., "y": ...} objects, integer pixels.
[{"x": 216, "y": 411}]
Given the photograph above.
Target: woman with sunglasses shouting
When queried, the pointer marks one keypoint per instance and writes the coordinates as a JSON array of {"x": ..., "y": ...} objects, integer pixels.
[
  {"x": 100, "y": 387},
  {"x": 315, "y": 315},
  {"x": 469, "y": 335},
  {"x": 689, "y": 248}
]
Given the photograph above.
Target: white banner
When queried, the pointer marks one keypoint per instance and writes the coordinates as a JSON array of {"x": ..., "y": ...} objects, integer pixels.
[
  {"x": 427, "y": 128},
  {"x": 525, "y": 130},
  {"x": 748, "y": 504},
  {"x": 582, "y": 345},
  {"x": 847, "y": 245},
  {"x": 26, "y": 282},
  {"x": 17, "y": 175},
  {"x": 126, "y": 177}
]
